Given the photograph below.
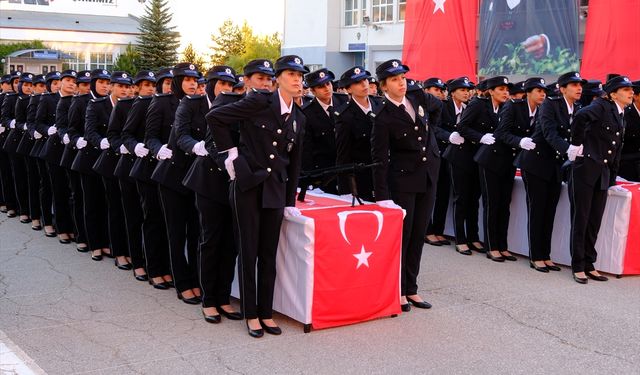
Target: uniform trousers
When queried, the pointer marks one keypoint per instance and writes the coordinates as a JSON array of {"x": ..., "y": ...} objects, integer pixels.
[
  {"x": 8, "y": 190},
  {"x": 77, "y": 205},
  {"x": 94, "y": 208},
  {"x": 587, "y": 207},
  {"x": 542, "y": 200},
  {"x": 257, "y": 232},
  {"x": 217, "y": 251},
  {"x": 418, "y": 207},
  {"x": 20, "y": 182},
  {"x": 154, "y": 231},
  {"x": 441, "y": 206},
  {"x": 115, "y": 218},
  {"x": 183, "y": 230},
  {"x": 133, "y": 218},
  {"x": 44, "y": 193},
  {"x": 496, "y": 201},
  {"x": 465, "y": 185},
  {"x": 33, "y": 184},
  {"x": 61, "y": 196}
]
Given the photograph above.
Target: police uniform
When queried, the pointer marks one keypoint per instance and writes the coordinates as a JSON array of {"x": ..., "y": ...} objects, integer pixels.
[
  {"x": 517, "y": 122},
  {"x": 319, "y": 148},
  {"x": 404, "y": 143},
  {"x": 599, "y": 128},
  {"x": 353, "y": 137},
  {"x": 630, "y": 159},
  {"x": 8, "y": 191},
  {"x": 266, "y": 170},
  {"x": 542, "y": 167}
]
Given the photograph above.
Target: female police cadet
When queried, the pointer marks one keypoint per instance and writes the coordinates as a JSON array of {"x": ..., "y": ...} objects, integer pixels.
[
  {"x": 476, "y": 126},
  {"x": 597, "y": 130},
  {"x": 403, "y": 142},
  {"x": 264, "y": 168},
  {"x": 630, "y": 160}
]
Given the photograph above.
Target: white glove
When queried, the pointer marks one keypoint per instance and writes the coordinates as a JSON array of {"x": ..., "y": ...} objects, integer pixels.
[
  {"x": 487, "y": 139},
  {"x": 140, "y": 150},
  {"x": 388, "y": 204},
  {"x": 123, "y": 150},
  {"x": 199, "y": 149},
  {"x": 65, "y": 139},
  {"x": 12, "y": 124},
  {"x": 81, "y": 143},
  {"x": 164, "y": 153},
  {"x": 36, "y": 135},
  {"x": 527, "y": 143},
  {"x": 104, "y": 144},
  {"x": 573, "y": 152},
  {"x": 2, "y": 129},
  {"x": 456, "y": 139},
  {"x": 24, "y": 127},
  {"x": 228, "y": 162},
  {"x": 291, "y": 212},
  {"x": 52, "y": 130}
]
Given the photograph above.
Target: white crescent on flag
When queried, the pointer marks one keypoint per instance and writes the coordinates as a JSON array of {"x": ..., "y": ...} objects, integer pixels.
[{"x": 342, "y": 216}]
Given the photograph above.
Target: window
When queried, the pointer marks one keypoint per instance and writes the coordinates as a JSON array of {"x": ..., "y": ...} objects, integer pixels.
[
  {"x": 101, "y": 61},
  {"x": 76, "y": 62},
  {"x": 45, "y": 69},
  {"x": 350, "y": 12},
  {"x": 382, "y": 10},
  {"x": 402, "y": 7},
  {"x": 52, "y": 68}
]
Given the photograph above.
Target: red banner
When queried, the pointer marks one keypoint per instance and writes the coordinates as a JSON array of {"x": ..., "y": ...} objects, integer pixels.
[
  {"x": 612, "y": 39},
  {"x": 440, "y": 38},
  {"x": 356, "y": 264}
]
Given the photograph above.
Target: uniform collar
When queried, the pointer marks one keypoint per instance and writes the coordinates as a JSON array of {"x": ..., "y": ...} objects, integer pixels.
[
  {"x": 367, "y": 109},
  {"x": 458, "y": 110},
  {"x": 620, "y": 110},
  {"x": 636, "y": 108},
  {"x": 283, "y": 106},
  {"x": 569, "y": 107},
  {"x": 326, "y": 106},
  {"x": 531, "y": 114},
  {"x": 208, "y": 101},
  {"x": 397, "y": 104}
]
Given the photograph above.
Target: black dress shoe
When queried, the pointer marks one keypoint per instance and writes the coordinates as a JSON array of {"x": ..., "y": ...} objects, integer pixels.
[
  {"x": 406, "y": 307},
  {"x": 170, "y": 284},
  {"x": 580, "y": 280},
  {"x": 142, "y": 277},
  {"x": 271, "y": 330},
  {"x": 476, "y": 248},
  {"x": 50, "y": 234},
  {"x": 509, "y": 257},
  {"x": 109, "y": 255},
  {"x": 63, "y": 241},
  {"x": 445, "y": 242},
  {"x": 432, "y": 243},
  {"x": 3, "y": 210},
  {"x": 162, "y": 286},
  {"x": 97, "y": 258},
  {"x": 596, "y": 277},
  {"x": 495, "y": 259},
  {"x": 82, "y": 249},
  {"x": 213, "y": 319},
  {"x": 12, "y": 214},
  {"x": 257, "y": 333},
  {"x": 539, "y": 269},
  {"x": 553, "y": 267},
  {"x": 25, "y": 221},
  {"x": 36, "y": 227},
  {"x": 463, "y": 252},
  {"x": 190, "y": 301},
  {"x": 125, "y": 266},
  {"x": 420, "y": 305},
  {"x": 234, "y": 315}
]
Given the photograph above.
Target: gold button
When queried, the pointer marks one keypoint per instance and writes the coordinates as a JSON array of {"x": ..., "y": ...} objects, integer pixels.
[{"x": 271, "y": 156}]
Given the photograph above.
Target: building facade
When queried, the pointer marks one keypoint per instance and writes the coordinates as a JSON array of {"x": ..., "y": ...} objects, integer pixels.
[{"x": 84, "y": 34}]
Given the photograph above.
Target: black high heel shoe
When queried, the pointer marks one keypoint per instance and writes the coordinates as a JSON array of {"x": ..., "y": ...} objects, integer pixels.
[
  {"x": 144, "y": 277},
  {"x": 539, "y": 269},
  {"x": 476, "y": 248},
  {"x": 405, "y": 307},
  {"x": 580, "y": 280},
  {"x": 234, "y": 315},
  {"x": 553, "y": 267},
  {"x": 509, "y": 257},
  {"x": 162, "y": 286},
  {"x": 124, "y": 266},
  {"x": 432, "y": 243},
  {"x": 189, "y": 301},
  {"x": 596, "y": 277},
  {"x": 97, "y": 258},
  {"x": 271, "y": 330},
  {"x": 463, "y": 252},
  {"x": 420, "y": 305},
  {"x": 213, "y": 319},
  {"x": 494, "y": 258},
  {"x": 256, "y": 333}
]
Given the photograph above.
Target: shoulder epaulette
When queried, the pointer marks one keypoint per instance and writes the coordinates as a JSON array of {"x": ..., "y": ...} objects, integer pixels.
[
  {"x": 127, "y": 99},
  {"x": 194, "y": 97},
  {"x": 163, "y": 94},
  {"x": 99, "y": 100},
  {"x": 553, "y": 97},
  {"x": 262, "y": 91},
  {"x": 230, "y": 93},
  {"x": 147, "y": 97}
]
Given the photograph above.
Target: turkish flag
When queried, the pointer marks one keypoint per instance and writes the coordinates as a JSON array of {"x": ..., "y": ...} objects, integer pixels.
[
  {"x": 356, "y": 273},
  {"x": 440, "y": 38},
  {"x": 611, "y": 40}
]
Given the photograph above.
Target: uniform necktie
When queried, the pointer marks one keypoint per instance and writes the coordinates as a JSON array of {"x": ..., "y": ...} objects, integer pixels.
[
  {"x": 531, "y": 120},
  {"x": 570, "y": 118},
  {"x": 285, "y": 116},
  {"x": 330, "y": 111}
]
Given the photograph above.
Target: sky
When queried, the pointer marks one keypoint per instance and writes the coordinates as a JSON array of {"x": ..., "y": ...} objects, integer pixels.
[{"x": 196, "y": 20}]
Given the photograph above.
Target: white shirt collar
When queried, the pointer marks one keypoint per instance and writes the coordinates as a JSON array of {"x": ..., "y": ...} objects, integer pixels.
[
  {"x": 366, "y": 109},
  {"x": 569, "y": 107},
  {"x": 620, "y": 110},
  {"x": 407, "y": 106},
  {"x": 636, "y": 107},
  {"x": 496, "y": 109},
  {"x": 326, "y": 106},
  {"x": 513, "y": 3},
  {"x": 208, "y": 100},
  {"x": 283, "y": 106},
  {"x": 531, "y": 114},
  {"x": 112, "y": 102},
  {"x": 459, "y": 110}
]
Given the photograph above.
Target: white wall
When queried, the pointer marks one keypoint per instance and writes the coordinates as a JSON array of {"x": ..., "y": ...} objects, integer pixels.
[
  {"x": 115, "y": 8},
  {"x": 305, "y": 23}
]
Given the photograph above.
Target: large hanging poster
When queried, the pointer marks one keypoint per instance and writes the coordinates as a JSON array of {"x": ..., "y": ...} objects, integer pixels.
[{"x": 528, "y": 37}]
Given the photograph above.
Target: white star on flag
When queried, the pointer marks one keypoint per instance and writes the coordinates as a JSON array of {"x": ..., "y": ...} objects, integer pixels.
[
  {"x": 363, "y": 257},
  {"x": 439, "y": 5}
]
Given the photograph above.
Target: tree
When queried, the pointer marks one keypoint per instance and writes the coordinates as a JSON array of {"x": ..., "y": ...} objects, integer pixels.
[
  {"x": 255, "y": 46},
  {"x": 128, "y": 61},
  {"x": 158, "y": 42},
  {"x": 227, "y": 43},
  {"x": 190, "y": 55},
  {"x": 9, "y": 48}
]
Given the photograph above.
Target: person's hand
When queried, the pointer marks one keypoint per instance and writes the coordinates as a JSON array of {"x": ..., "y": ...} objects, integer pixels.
[
  {"x": 487, "y": 139},
  {"x": 36, "y": 135},
  {"x": 199, "y": 149},
  {"x": 388, "y": 203},
  {"x": 228, "y": 162},
  {"x": 52, "y": 130},
  {"x": 291, "y": 212},
  {"x": 140, "y": 150},
  {"x": 527, "y": 143},
  {"x": 456, "y": 139},
  {"x": 65, "y": 139},
  {"x": 164, "y": 153},
  {"x": 574, "y": 151},
  {"x": 123, "y": 150},
  {"x": 104, "y": 144},
  {"x": 536, "y": 45},
  {"x": 81, "y": 143}
]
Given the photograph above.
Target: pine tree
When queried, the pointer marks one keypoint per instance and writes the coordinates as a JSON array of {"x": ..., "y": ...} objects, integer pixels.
[
  {"x": 158, "y": 42},
  {"x": 128, "y": 61},
  {"x": 227, "y": 43},
  {"x": 190, "y": 55}
]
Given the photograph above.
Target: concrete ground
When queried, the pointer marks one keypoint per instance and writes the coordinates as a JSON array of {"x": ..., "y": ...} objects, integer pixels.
[{"x": 61, "y": 313}]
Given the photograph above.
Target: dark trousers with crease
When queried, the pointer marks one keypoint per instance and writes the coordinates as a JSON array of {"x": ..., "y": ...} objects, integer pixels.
[
  {"x": 8, "y": 190},
  {"x": 257, "y": 232},
  {"x": 465, "y": 184},
  {"x": 95, "y": 211},
  {"x": 20, "y": 182},
  {"x": 496, "y": 201},
  {"x": 542, "y": 200},
  {"x": 217, "y": 251},
  {"x": 441, "y": 206},
  {"x": 44, "y": 193},
  {"x": 115, "y": 218},
  {"x": 33, "y": 182},
  {"x": 61, "y": 198},
  {"x": 154, "y": 231},
  {"x": 133, "y": 218},
  {"x": 183, "y": 230},
  {"x": 77, "y": 205},
  {"x": 419, "y": 207}
]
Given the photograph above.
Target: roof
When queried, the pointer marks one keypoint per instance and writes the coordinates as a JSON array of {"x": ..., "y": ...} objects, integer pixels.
[
  {"x": 21, "y": 19},
  {"x": 40, "y": 54}
]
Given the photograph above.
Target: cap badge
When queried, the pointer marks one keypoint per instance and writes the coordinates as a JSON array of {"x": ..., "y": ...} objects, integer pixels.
[
  {"x": 505, "y": 80},
  {"x": 124, "y": 75},
  {"x": 192, "y": 67},
  {"x": 266, "y": 64},
  {"x": 297, "y": 60},
  {"x": 542, "y": 80},
  {"x": 394, "y": 64},
  {"x": 321, "y": 75},
  {"x": 151, "y": 74},
  {"x": 228, "y": 71}
]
